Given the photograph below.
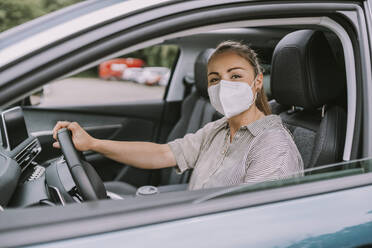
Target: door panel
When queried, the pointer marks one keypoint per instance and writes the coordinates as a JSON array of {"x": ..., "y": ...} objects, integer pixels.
[{"x": 130, "y": 122}]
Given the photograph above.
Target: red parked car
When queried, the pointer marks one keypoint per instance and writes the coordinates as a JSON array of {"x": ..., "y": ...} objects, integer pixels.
[{"x": 113, "y": 69}]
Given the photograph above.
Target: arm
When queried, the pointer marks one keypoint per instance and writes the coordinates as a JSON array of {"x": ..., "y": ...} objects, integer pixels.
[{"x": 144, "y": 155}]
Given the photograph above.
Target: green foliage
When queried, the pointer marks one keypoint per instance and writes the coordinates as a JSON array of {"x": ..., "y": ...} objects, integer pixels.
[
  {"x": 52, "y": 5},
  {"x": 160, "y": 55},
  {"x": 16, "y": 12}
]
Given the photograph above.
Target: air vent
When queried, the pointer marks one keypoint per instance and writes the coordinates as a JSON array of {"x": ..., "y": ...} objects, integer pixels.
[{"x": 27, "y": 155}]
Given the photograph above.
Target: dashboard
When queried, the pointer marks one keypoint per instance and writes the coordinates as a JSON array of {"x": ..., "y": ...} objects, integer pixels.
[
  {"x": 16, "y": 141},
  {"x": 18, "y": 150},
  {"x": 23, "y": 181},
  {"x": 26, "y": 183},
  {"x": 13, "y": 128}
]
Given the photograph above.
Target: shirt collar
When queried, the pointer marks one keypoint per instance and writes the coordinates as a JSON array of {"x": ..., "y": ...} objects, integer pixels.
[{"x": 256, "y": 127}]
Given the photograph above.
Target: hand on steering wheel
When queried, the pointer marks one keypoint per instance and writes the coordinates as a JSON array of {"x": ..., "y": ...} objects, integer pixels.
[
  {"x": 87, "y": 181},
  {"x": 81, "y": 139}
]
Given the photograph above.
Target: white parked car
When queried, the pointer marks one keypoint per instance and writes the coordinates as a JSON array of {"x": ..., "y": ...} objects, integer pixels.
[{"x": 147, "y": 75}]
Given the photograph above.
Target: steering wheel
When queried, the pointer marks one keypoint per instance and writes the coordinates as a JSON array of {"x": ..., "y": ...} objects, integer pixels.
[{"x": 87, "y": 181}]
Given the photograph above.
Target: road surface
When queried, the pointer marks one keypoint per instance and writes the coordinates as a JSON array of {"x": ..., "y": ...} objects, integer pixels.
[{"x": 90, "y": 91}]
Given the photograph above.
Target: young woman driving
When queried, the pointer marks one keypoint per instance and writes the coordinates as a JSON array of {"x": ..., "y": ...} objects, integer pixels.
[{"x": 247, "y": 145}]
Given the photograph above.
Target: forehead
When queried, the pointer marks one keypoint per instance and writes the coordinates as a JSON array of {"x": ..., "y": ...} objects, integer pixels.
[{"x": 224, "y": 61}]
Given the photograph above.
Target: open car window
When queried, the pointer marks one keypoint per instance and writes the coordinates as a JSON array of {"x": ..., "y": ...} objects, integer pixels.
[{"x": 142, "y": 75}]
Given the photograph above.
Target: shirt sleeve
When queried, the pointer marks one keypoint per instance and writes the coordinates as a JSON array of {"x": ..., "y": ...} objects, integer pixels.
[
  {"x": 186, "y": 150},
  {"x": 273, "y": 156}
]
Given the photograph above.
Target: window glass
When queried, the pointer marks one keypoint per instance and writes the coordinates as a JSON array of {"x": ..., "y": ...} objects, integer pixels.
[{"x": 138, "y": 76}]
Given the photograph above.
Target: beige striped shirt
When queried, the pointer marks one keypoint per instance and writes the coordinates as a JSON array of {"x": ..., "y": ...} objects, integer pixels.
[{"x": 261, "y": 151}]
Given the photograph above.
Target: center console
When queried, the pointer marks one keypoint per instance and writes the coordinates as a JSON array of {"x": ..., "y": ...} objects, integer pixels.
[
  {"x": 16, "y": 141},
  {"x": 20, "y": 150}
]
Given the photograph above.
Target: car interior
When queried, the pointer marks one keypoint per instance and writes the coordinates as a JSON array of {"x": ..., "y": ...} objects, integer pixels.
[{"x": 304, "y": 79}]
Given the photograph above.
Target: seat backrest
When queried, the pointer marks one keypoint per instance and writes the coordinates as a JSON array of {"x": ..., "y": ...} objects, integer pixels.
[
  {"x": 307, "y": 79},
  {"x": 195, "y": 113}
]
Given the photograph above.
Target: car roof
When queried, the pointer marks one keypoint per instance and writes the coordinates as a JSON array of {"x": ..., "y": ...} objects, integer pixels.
[
  {"x": 69, "y": 13},
  {"x": 49, "y": 20},
  {"x": 29, "y": 37},
  {"x": 67, "y": 21}
]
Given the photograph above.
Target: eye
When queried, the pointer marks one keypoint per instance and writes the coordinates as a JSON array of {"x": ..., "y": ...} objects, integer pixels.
[
  {"x": 214, "y": 81},
  {"x": 235, "y": 76}
]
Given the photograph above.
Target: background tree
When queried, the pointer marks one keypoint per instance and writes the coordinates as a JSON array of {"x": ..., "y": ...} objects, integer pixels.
[
  {"x": 16, "y": 12},
  {"x": 53, "y": 5}
]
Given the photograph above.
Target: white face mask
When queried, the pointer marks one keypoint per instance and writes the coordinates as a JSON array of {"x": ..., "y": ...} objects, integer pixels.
[{"x": 231, "y": 98}]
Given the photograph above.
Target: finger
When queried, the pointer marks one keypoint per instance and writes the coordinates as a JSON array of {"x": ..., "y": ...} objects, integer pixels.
[
  {"x": 56, "y": 145},
  {"x": 73, "y": 126},
  {"x": 59, "y": 125}
]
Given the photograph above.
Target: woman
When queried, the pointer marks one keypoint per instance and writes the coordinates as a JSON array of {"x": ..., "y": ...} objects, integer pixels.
[{"x": 247, "y": 145}]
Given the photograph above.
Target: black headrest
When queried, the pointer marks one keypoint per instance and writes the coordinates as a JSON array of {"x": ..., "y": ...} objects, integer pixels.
[
  {"x": 304, "y": 71},
  {"x": 200, "y": 71}
]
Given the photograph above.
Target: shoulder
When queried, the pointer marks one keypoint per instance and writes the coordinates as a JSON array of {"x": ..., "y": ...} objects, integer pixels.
[
  {"x": 220, "y": 122},
  {"x": 215, "y": 125},
  {"x": 276, "y": 143},
  {"x": 271, "y": 127},
  {"x": 274, "y": 133},
  {"x": 273, "y": 138},
  {"x": 275, "y": 146}
]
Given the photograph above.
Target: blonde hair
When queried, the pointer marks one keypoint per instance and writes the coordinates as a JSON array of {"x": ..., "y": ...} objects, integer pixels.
[{"x": 251, "y": 56}]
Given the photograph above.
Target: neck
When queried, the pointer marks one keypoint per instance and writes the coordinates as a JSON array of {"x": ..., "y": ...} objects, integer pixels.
[{"x": 245, "y": 118}]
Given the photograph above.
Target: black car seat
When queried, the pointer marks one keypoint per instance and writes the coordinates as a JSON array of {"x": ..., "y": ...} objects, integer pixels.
[
  {"x": 195, "y": 113},
  {"x": 307, "y": 79}
]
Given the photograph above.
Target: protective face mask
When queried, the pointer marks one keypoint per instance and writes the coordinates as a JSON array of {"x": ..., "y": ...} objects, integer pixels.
[{"x": 231, "y": 98}]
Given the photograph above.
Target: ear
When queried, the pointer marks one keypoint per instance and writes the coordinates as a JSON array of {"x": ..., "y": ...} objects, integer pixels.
[{"x": 259, "y": 82}]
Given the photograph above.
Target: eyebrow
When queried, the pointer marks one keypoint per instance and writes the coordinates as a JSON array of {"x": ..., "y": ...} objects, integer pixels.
[
  {"x": 235, "y": 68},
  {"x": 213, "y": 73},
  {"x": 229, "y": 70}
]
